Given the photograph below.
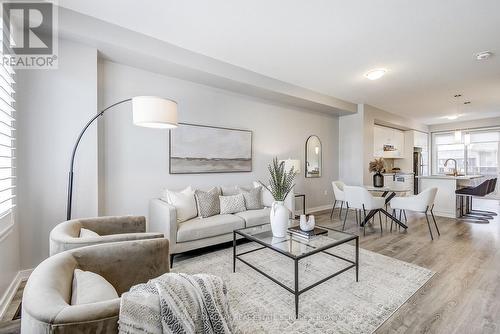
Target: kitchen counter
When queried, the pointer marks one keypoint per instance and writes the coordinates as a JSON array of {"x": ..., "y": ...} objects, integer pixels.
[
  {"x": 450, "y": 177},
  {"x": 399, "y": 180},
  {"x": 398, "y": 173},
  {"x": 445, "y": 204}
]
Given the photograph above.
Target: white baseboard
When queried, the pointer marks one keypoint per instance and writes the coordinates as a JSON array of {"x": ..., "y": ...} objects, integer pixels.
[
  {"x": 12, "y": 289},
  {"x": 319, "y": 208},
  {"x": 25, "y": 274},
  {"x": 315, "y": 209}
]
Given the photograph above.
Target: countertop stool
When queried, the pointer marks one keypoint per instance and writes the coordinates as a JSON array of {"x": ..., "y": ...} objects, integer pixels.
[{"x": 465, "y": 196}]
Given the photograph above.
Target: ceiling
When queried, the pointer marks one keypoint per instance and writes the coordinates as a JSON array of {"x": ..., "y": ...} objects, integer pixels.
[{"x": 428, "y": 46}]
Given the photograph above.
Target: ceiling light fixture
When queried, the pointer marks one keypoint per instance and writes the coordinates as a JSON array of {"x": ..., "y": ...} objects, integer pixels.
[
  {"x": 458, "y": 114},
  {"x": 484, "y": 55},
  {"x": 376, "y": 73}
]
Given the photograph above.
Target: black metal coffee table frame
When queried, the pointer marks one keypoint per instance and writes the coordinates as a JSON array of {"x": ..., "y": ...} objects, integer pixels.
[{"x": 296, "y": 291}]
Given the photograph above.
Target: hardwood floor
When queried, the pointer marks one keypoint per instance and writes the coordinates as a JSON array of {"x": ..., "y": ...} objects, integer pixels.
[
  {"x": 10, "y": 327},
  {"x": 7, "y": 325},
  {"x": 464, "y": 294}
]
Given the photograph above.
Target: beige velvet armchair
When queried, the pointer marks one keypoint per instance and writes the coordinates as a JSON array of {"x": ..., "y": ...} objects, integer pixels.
[
  {"x": 46, "y": 300},
  {"x": 66, "y": 235}
]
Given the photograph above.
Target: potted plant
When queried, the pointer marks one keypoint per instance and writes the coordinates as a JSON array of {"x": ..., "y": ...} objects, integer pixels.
[
  {"x": 377, "y": 166},
  {"x": 280, "y": 185}
]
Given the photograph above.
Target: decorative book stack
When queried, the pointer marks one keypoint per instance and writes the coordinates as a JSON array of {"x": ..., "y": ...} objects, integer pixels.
[{"x": 296, "y": 231}]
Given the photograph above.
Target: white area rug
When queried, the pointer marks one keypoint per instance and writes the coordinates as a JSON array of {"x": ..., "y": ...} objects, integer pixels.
[{"x": 340, "y": 305}]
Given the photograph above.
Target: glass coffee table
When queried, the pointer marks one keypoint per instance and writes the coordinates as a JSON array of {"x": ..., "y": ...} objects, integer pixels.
[{"x": 297, "y": 248}]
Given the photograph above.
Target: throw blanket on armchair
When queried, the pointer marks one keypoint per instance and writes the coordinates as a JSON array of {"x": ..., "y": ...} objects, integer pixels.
[{"x": 177, "y": 303}]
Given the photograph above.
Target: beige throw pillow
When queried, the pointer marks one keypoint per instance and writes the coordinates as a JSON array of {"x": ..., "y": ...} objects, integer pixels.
[
  {"x": 86, "y": 233},
  {"x": 232, "y": 204},
  {"x": 253, "y": 198},
  {"x": 184, "y": 202},
  {"x": 208, "y": 202},
  {"x": 89, "y": 287}
]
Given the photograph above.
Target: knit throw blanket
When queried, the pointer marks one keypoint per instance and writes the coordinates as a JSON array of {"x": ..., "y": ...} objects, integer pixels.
[{"x": 177, "y": 303}]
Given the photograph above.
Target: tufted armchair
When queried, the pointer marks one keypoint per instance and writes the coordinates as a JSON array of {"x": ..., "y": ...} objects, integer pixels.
[
  {"x": 46, "y": 306},
  {"x": 66, "y": 235}
]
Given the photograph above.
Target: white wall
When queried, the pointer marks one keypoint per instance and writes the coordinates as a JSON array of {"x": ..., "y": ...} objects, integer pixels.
[
  {"x": 10, "y": 262},
  {"x": 135, "y": 159},
  {"x": 382, "y": 117},
  {"x": 462, "y": 125},
  {"x": 53, "y": 106},
  {"x": 351, "y": 141}
]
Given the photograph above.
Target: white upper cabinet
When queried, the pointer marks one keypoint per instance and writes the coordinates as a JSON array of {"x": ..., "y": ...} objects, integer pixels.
[
  {"x": 420, "y": 139},
  {"x": 392, "y": 139}
]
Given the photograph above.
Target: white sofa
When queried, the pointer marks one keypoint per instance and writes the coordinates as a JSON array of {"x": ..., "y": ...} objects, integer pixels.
[{"x": 202, "y": 232}]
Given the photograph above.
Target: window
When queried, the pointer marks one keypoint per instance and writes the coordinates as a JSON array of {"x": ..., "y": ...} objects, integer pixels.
[
  {"x": 482, "y": 152},
  {"x": 446, "y": 147},
  {"x": 7, "y": 137},
  {"x": 476, "y": 151}
]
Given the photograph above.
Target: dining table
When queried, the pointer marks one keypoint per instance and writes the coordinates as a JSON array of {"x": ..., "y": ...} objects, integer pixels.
[{"x": 388, "y": 192}]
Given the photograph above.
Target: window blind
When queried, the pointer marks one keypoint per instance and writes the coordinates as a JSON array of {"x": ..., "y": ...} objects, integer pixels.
[{"x": 7, "y": 139}]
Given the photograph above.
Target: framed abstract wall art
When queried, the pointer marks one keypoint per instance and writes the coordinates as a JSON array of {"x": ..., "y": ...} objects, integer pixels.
[{"x": 208, "y": 149}]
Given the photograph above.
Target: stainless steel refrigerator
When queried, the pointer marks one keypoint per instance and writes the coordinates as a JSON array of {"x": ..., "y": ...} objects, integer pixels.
[{"x": 419, "y": 167}]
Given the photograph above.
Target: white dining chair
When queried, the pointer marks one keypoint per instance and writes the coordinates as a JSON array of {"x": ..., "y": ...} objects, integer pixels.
[
  {"x": 338, "y": 192},
  {"x": 423, "y": 203},
  {"x": 359, "y": 198}
]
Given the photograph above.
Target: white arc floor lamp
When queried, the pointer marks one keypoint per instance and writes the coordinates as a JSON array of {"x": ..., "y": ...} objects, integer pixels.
[{"x": 148, "y": 111}]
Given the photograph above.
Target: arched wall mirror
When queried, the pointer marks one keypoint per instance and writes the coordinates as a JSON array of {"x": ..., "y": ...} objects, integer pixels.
[{"x": 313, "y": 156}]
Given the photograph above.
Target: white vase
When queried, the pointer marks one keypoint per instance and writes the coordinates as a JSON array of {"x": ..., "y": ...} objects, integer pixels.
[{"x": 279, "y": 219}]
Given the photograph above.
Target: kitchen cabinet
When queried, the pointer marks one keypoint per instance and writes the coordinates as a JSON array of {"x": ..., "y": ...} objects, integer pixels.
[
  {"x": 420, "y": 139},
  {"x": 388, "y": 136}
]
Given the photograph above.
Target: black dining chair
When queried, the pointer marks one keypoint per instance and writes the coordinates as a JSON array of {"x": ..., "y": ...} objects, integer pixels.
[
  {"x": 493, "y": 185},
  {"x": 465, "y": 196},
  {"x": 491, "y": 189}
]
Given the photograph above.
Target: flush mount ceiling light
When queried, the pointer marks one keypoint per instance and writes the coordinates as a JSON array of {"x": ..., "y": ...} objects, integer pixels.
[
  {"x": 453, "y": 117},
  {"x": 484, "y": 55},
  {"x": 376, "y": 73}
]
